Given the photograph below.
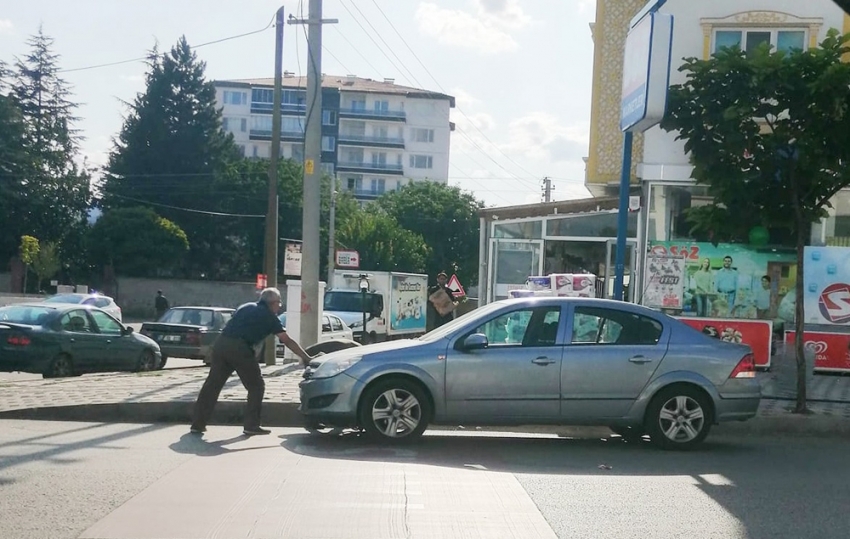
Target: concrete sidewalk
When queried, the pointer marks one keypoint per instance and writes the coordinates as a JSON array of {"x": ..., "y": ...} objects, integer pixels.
[{"x": 168, "y": 396}]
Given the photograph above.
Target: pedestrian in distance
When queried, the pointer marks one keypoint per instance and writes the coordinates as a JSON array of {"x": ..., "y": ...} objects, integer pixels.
[
  {"x": 442, "y": 302},
  {"x": 161, "y": 304},
  {"x": 234, "y": 351}
]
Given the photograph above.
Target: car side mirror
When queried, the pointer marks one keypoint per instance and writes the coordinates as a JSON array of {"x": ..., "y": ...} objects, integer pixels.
[
  {"x": 127, "y": 330},
  {"x": 476, "y": 341}
]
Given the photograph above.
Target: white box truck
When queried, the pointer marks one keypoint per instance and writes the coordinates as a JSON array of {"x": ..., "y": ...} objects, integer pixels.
[{"x": 395, "y": 303}]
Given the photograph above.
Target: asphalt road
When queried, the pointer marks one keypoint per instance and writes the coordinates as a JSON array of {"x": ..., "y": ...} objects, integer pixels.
[{"x": 68, "y": 480}]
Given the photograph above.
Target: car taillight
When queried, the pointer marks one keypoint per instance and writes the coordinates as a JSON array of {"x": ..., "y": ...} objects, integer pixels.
[
  {"x": 193, "y": 338},
  {"x": 746, "y": 368},
  {"x": 19, "y": 340}
]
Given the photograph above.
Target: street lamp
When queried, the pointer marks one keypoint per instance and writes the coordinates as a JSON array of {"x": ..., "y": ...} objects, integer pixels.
[{"x": 364, "y": 287}]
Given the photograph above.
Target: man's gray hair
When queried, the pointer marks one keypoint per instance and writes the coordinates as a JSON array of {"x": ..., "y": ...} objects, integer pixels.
[{"x": 270, "y": 294}]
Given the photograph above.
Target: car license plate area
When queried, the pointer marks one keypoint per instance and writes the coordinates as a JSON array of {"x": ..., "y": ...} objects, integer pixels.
[{"x": 171, "y": 338}]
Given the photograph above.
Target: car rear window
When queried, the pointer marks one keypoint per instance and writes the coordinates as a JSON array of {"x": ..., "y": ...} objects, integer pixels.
[
  {"x": 25, "y": 315},
  {"x": 64, "y": 298},
  {"x": 194, "y": 317}
]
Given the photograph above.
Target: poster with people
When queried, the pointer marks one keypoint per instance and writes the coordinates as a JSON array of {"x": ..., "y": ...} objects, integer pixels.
[{"x": 731, "y": 280}]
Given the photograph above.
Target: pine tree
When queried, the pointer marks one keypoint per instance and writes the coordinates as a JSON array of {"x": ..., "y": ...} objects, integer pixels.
[
  {"x": 170, "y": 150},
  {"x": 49, "y": 191}
]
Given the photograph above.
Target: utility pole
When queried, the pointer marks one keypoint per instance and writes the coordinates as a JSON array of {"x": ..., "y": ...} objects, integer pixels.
[
  {"x": 331, "y": 239},
  {"x": 547, "y": 189},
  {"x": 271, "y": 242},
  {"x": 312, "y": 175}
]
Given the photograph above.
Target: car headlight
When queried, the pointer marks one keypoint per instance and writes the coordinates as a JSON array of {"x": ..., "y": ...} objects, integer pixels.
[
  {"x": 334, "y": 367},
  {"x": 358, "y": 324}
]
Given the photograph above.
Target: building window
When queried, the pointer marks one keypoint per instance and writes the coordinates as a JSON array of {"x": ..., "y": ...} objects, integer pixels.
[
  {"x": 378, "y": 185},
  {"x": 750, "y": 39},
  {"x": 235, "y": 98},
  {"x": 241, "y": 150},
  {"x": 423, "y": 135},
  {"x": 294, "y": 97},
  {"x": 354, "y": 184},
  {"x": 254, "y": 150},
  {"x": 421, "y": 161},
  {"x": 298, "y": 152},
  {"x": 225, "y": 123},
  {"x": 261, "y": 123},
  {"x": 328, "y": 169},
  {"x": 328, "y": 117},
  {"x": 290, "y": 124},
  {"x": 382, "y": 106},
  {"x": 243, "y": 124},
  {"x": 328, "y": 144},
  {"x": 379, "y": 158},
  {"x": 262, "y": 95},
  {"x": 358, "y": 104}
]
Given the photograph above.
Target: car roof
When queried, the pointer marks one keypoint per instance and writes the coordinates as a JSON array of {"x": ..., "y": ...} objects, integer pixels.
[
  {"x": 80, "y": 295},
  {"x": 204, "y": 308},
  {"x": 57, "y": 306}
]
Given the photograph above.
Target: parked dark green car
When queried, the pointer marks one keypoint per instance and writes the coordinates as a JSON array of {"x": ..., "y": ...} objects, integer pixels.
[{"x": 57, "y": 340}]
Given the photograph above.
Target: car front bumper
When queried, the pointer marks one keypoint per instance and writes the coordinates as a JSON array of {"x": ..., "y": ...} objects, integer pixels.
[{"x": 332, "y": 401}]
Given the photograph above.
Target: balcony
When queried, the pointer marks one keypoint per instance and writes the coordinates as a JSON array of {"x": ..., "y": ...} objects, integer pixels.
[
  {"x": 285, "y": 108},
  {"x": 367, "y": 194},
  {"x": 367, "y": 114},
  {"x": 266, "y": 134},
  {"x": 363, "y": 140},
  {"x": 365, "y": 166}
]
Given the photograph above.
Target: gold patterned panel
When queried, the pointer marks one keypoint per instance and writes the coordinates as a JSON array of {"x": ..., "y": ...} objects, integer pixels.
[{"x": 606, "y": 140}]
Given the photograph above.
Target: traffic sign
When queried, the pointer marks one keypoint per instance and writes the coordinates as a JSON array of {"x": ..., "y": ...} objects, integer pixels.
[
  {"x": 455, "y": 286},
  {"x": 347, "y": 259}
]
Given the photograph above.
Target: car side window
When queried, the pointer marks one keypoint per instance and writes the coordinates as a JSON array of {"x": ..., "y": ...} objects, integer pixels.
[
  {"x": 526, "y": 327},
  {"x": 336, "y": 323},
  {"x": 593, "y": 325},
  {"x": 326, "y": 324},
  {"x": 76, "y": 322},
  {"x": 100, "y": 302},
  {"x": 106, "y": 324}
]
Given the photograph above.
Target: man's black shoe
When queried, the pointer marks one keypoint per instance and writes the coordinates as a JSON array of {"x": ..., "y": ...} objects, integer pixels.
[{"x": 255, "y": 431}]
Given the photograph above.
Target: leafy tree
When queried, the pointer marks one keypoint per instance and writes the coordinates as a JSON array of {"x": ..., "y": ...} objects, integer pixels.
[
  {"x": 45, "y": 193},
  {"x": 137, "y": 242},
  {"x": 46, "y": 263},
  {"x": 383, "y": 245},
  {"x": 171, "y": 150},
  {"x": 447, "y": 218},
  {"x": 844, "y": 4},
  {"x": 768, "y": 134},
  {"x": 27, "y": 251}
]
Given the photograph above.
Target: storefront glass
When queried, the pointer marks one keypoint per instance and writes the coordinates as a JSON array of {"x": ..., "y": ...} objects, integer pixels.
[{"x": 590, "y": 225}]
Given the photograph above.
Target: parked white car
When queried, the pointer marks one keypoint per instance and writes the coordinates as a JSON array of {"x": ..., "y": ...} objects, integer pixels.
[
  {"x": 100, "y": 301},
  {"x": 333, "y": 328}
]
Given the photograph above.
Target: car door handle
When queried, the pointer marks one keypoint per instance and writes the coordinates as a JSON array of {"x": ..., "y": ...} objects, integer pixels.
[
  {"x": 72, "y": 340},
  {"x": 542, "y": 361},
  {"x": 639, "y": 360}
]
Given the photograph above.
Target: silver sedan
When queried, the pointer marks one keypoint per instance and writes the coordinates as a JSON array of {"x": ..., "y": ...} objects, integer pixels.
[{"x": 557, "y": 361}]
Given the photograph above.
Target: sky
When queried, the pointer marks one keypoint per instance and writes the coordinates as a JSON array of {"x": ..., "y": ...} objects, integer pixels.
[{"x": 521, "y": 71}]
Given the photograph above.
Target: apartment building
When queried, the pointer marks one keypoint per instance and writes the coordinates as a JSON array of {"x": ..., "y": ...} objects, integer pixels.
[{"x": 376, "y": 135}]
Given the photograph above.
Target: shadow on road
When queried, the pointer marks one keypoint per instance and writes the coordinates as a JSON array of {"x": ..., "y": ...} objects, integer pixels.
[{"x": 194, "y": 444}]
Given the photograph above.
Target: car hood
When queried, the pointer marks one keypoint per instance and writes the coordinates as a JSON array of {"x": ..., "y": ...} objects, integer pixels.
[
  {"x": 144, "y": 339},
  {"x": 365, "y": 351}
]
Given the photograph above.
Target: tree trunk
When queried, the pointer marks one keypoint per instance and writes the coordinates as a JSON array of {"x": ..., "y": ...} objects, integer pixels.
[
  {"x": 26, "y": 271},
  {"x": 800, "y": 321}
]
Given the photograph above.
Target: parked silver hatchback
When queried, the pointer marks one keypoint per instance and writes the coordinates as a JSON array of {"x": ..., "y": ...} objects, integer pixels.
[{"x": 558, "y": 361}]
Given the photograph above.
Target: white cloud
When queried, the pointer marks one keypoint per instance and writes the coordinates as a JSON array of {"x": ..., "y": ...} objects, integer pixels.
[
  {"x": 586, "y": 5},
  {"x": 484, "y": 30},
  {"x": 464, "y": 99},
  {"x": 133, "y": 78},
  {"x": 540, "y": 136},
  {"x": 6, "y": 26}
]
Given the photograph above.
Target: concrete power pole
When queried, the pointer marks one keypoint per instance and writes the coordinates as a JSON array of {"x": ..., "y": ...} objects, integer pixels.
[
  {"x": 271, "y": 240},
  {"x": 547, "y": 189},
  {"x": 312, "y": 176}
]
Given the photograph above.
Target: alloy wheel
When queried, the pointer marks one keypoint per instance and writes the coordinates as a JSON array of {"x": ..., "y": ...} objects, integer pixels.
[
  {"x": 396, "y": 413},
  {"x": 681, "y": 419}
]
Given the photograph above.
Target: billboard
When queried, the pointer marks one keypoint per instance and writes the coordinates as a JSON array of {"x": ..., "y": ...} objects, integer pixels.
[
  {"x": 646, "y": 72},
  {"x": 731, "y": 280},
  {"x": 408, "y": 303},
  {"x": 831, "y": 350},
  {"x": 292, "y": 259},
  {"x": 826, "y": 293},
  {"x": 757, "y": 334},
  {"x": 664, "y": 286}
]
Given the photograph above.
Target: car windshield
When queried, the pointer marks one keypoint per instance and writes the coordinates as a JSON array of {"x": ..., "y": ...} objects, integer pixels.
[
  {"x": 346, "y": 301},
  {"x": 65, "y": 298},
  {"x": 193, "y": 317},
  {"x": 443, "y": 331},
  {"x": 25, "y": 314}
]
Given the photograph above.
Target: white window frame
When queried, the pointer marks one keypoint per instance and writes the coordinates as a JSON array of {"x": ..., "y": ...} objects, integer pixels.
[
  {"x": 328, "y": 144},
  {"x": 419, "y": 131},
  {"x": 420, "y": 161},
  {"x": 744, "y": 30}
]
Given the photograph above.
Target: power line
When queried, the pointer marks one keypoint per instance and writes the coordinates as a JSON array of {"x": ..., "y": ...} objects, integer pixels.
[
  {"x": 190, "y": 210},
  {"x": 327, "y": 50},
  {"x": 143, "y": 58},
  {"x": 377, "y": 71}
]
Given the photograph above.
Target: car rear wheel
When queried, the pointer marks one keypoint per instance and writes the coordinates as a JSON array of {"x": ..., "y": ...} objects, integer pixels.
[
  {"x": 61, "y": 367},
  {"x": 394, "y": 410},
  {"x": 147, "y": 362},
  {"x": 679, "y": 417}
]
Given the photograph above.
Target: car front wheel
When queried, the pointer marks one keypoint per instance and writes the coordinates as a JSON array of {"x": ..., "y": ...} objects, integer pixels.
[
  {"x": 679, "y": 417},
  {"x": 147, "y": 362},
  {"x": 394, "y": 410}
]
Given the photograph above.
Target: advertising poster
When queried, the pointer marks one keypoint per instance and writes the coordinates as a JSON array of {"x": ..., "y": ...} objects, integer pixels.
[
  {"x": 757, "y": 334},
  {"x": 664, "y": 286},
  {"x": 292, "y": 259},
  {"x": 826, "y": 297},
  {"x": 731, "y": 280},
  {"x": 831, "y": 350},
  {"x": 574, "y": 285},
  {"x": 407, "y": 304}
]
